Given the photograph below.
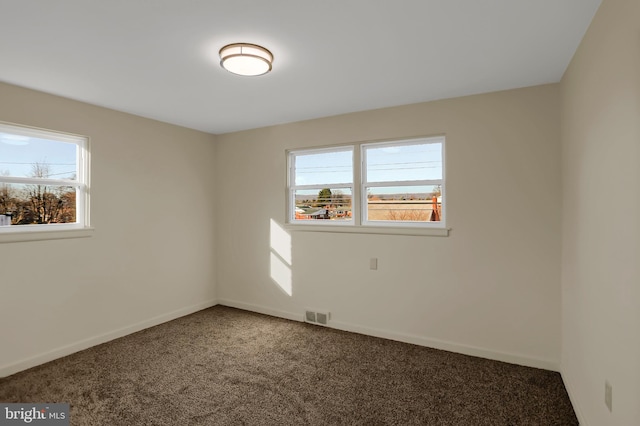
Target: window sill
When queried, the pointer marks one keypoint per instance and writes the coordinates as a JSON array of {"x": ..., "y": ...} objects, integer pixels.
[
  {"x": 381, "y": 230},
  {"x": 44, "y": 234}
]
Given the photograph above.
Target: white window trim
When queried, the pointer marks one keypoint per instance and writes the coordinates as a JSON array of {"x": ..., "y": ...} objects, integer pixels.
[
  {"x": 358, "y": 224},
  {"x": 376, "y": 230},
  {"x": 61, "y": 232},
  {"x": 79, "y": 229},
  {"x": 365, "y": 183},
  {"x": 292, "y": 187}
]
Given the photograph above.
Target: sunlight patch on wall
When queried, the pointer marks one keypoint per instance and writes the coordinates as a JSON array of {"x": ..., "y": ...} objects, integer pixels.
[
  {"x": 281, "y": 274},
  {"x": 280, "y": 242}
]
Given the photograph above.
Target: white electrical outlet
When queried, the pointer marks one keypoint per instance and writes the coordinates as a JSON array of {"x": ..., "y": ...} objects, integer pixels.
[
  {"x": 608, "y": 395},
  {"x": 373, "y": 263}
]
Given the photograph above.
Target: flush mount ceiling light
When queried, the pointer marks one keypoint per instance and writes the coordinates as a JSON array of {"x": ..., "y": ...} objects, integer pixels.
[{"x": 246, "y": 59}]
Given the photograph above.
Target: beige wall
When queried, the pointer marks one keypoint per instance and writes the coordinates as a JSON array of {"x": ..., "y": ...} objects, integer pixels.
[
  {"x": 151, "y": 257},
  {"x": 601, "y": 236},
  {"x": 491, "y": 289}
]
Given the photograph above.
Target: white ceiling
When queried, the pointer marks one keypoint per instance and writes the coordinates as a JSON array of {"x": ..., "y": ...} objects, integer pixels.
[{"x": 159, "y": 58}]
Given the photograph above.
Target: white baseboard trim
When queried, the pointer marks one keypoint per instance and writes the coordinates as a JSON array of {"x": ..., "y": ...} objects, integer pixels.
[
  {"x": 15, "y": 367},
  {"x": 511, "y": 358},
  {"x": 261, "y": 309},
  {"x": 9, "y": 369},
  {"x": 582, "y": 420}
]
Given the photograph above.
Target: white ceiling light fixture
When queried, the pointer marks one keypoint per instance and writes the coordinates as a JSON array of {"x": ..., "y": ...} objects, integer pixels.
[{"x": 246, "y": 59}]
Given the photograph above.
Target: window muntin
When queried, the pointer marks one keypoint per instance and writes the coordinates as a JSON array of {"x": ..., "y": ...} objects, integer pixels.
[
  {"x": 43, "y": 179},
  {"x": 394, "y": 183}
]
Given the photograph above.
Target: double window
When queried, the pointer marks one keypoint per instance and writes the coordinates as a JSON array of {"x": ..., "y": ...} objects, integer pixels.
[
  {"x": 394, "y": 183},
  {"x": 44, "y": 179}
]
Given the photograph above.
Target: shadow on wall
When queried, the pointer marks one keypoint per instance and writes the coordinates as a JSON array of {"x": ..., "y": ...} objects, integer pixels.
[{"x": 280, "y": 242}]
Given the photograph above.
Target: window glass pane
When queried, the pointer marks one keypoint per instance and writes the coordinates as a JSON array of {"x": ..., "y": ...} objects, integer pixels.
[
  {"x": 25, "y": 156},
  {"x": 324, "y": 168},
  {"x": 404, "y": 162},
  {"x": 404, "y": 203},
  {"x": 37, "y": 204},
  {"x": 329, "y": 203}
]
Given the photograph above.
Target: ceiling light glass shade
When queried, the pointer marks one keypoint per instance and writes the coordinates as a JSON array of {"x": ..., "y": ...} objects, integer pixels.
[{"x": 246, "y": 59}]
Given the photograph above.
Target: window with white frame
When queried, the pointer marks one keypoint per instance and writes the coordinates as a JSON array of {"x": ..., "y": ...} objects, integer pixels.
[
  {"x": 402, "y": 182},
  {"x": 321, "y": 185},
  {"x": 44, "y": 179},
  {"x": 392, "y": 183}
]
